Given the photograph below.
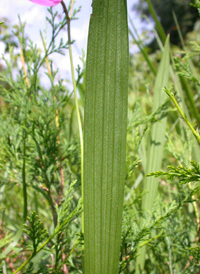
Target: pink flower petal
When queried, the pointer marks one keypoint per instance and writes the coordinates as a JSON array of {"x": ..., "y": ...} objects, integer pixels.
[{"x": 48, "y": 3}]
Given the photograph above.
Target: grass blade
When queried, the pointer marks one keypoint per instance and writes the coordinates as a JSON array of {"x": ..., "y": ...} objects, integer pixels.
[
  {"x": 156, "y": 20},
  {"x": 105, "y": 135},
  {"x": 157, "y": 137}
]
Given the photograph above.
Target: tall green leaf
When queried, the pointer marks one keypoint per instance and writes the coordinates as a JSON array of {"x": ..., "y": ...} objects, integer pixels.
[
  {"x": 155, "y": 149},
  {"x": 105, "y": 135}
]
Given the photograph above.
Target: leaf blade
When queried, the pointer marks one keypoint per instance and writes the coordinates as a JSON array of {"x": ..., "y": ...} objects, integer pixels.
[
  {"x": 155, "y": 149},
  {"x": 105, "y": 134}
]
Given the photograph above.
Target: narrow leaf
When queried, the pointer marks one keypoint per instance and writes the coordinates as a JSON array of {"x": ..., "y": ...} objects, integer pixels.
[
  {"x": 105, "y": 135},
  {"x": 155, "y": 150},
  {"x": 157, "y": 137},
  {"x": 156, "y": 20}
]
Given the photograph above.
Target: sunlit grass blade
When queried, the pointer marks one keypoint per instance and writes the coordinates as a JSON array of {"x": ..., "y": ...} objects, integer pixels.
[
  {"x": 155, "y": 149},
  {"x": 173, "y": 99},
  {"x": 105, "y": 135},
  {"x": 190, "y": 98}
]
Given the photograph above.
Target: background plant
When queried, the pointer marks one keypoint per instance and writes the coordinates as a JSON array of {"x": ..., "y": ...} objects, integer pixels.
[
  {"x": 40, "y": 153},
  {"x": 39, "y": 138}
]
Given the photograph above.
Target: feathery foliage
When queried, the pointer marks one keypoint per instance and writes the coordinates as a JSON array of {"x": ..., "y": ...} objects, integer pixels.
[{"x": 40, "y": 161}]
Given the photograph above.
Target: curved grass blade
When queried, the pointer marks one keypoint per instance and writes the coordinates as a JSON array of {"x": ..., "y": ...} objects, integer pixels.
[{"x": 105, "y": 135}]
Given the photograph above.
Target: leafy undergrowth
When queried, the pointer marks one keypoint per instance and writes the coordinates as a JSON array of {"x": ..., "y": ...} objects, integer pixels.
[{"x": 40, "y": 169}]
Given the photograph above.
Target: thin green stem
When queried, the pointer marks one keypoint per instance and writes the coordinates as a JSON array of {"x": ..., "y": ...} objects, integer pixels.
[
  {"x": 75, "y": 97},
  {"x": 172, "y": 97},
  {"x": 178, "y": 30},
  {"x": 24, "y": 176},
  {"x": 191, "y": 101},
  {"x": 24, "y": 134}
]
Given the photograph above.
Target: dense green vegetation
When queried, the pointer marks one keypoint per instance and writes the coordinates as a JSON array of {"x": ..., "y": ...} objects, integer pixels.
[{"x": 40, "y": 156}]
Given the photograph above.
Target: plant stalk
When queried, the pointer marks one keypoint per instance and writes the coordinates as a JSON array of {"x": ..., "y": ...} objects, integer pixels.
[
  {"x": 24, "y": 139},
  {"x": 68, "y": 18},
  {"x": 172, "y": 97}
]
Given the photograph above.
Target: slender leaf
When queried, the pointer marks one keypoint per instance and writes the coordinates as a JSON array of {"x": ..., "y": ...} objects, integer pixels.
[
  {"x": 156, "y": 20},
  {"x": 105, "y": 135},
  {"x": 157, "y": 138}
]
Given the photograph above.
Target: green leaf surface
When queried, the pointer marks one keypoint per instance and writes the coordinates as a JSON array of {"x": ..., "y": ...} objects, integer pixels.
[
  {"x": 155, "y": 148},
  {"x": 157, "y": 135},
  {"x": 105, "y": 135}
]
